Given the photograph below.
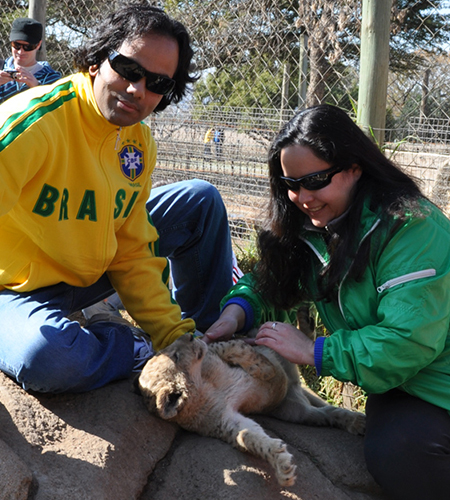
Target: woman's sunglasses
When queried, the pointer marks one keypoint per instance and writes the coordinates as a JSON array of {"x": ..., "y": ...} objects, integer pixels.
[
  {"x": 311, "y": 182},
  {"x": 27, "y": 47},
  {"x": 132, "y": 71}
]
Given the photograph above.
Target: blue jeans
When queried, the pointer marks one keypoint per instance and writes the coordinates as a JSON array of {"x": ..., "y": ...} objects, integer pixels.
[
  {"x": 44, "y": 351},
  {"x": 192, "y": 223}
]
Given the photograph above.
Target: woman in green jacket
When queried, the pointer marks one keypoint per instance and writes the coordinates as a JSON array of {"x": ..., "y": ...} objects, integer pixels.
[{"x": 351, "y": 232}]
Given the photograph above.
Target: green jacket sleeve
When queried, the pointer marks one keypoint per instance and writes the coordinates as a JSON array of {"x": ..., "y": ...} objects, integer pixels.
[{"x": 405, "y": 339}]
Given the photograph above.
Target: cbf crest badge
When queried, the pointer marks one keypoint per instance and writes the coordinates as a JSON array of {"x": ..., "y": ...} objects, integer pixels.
[{"x": 131, "y": 162}]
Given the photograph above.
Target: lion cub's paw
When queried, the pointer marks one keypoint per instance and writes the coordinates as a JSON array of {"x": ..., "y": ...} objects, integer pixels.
[
  {"x": 285, "y": 469},
  {"x": 357, "y": 424}
]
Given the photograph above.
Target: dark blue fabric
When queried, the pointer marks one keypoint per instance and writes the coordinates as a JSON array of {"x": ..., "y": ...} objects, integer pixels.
[{"x": 407, "y": 446}]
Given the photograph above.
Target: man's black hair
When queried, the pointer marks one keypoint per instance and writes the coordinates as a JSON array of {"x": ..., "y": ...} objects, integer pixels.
[{"x": 133, "y": 21}]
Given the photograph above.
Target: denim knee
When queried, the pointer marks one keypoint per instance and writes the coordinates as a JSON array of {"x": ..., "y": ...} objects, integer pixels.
[
  {"x": 207, "y": 193},
  {"x": 82, "y": 361}
]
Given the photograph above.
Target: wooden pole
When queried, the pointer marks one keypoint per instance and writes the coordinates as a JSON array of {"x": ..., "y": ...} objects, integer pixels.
[{"x": 374, "y": 67}]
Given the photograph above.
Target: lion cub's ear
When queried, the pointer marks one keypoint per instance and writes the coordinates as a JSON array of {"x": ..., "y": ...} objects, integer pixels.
[{"x": 170, "y": 402}]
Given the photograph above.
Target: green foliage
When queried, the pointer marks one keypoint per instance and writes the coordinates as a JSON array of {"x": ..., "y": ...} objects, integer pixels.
[
  {"x": 415, "y": 25},
  {"x": 333, "y": 391},
  {"x": 246, "y": 254},
  {"x": 243, "y": 49},
  {"x": 257, "y": 87}
]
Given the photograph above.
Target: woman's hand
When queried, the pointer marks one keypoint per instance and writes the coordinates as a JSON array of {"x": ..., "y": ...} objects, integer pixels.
[
  {"x": 231, "y": 321},
  {"x": 287, "y": 341}
]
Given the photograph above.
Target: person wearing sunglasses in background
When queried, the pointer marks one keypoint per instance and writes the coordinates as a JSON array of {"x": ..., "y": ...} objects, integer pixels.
[
  {"x": 22, "y": 70},
  {"x": 351, "y": 232},
  {"x": 74, "y": 225}
]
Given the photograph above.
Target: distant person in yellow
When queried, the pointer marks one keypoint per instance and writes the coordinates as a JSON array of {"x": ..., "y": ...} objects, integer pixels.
[{"x": 209, "y": 136}]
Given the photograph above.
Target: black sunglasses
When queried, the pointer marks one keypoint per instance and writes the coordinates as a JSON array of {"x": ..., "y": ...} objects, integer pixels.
[
  {"x": 27, "y": 47},
  {"x": 311, "y": 182},
  {"x": 132, "y": 71}
]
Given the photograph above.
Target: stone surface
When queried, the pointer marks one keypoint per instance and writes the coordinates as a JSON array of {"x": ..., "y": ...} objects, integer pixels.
[{"x": 105, "y": 445}]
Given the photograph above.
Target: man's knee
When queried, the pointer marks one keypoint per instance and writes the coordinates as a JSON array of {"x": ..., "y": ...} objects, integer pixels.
[{"x": 205, "y": 191}]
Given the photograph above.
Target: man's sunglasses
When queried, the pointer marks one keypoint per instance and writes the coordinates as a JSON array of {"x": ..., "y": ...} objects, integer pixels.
[
  {"x": 311, "y": 182},
  {"x": 132, "y": 71},
  {"x": 27, "y": 47}
]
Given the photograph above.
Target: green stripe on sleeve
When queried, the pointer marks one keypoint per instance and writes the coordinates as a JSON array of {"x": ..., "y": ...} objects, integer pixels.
[{"x": 17, "y": 123}]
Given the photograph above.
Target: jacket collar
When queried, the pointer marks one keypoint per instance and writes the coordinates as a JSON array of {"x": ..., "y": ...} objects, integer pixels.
[
  {"x": 316, "y": 237},
  {"x": 97, "y": 124}
]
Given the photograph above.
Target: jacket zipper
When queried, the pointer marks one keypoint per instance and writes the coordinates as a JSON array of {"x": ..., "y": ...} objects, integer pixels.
[
  {"x": 370, "y": 231},
  {"x": 117, "y": 138},
  {"x": 425, "y": 273}
]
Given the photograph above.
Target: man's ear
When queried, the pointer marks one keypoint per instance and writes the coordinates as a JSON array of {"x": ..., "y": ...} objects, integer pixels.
[
  {"x": 94, "y": 69},
  {"x": 357, "y": 170}
]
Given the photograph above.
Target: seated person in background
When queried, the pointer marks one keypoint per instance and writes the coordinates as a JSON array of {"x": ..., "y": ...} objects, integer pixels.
[{"x": 22, "y": 71}]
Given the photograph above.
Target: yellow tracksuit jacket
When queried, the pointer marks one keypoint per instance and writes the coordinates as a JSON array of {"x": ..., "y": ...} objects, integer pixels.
[{"x": 73, "y": 189}]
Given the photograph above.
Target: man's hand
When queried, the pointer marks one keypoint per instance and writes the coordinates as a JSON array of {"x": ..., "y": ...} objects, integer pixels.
[
  {"x": 24, "y": 76},
  {"x": 231, "y": 321}
]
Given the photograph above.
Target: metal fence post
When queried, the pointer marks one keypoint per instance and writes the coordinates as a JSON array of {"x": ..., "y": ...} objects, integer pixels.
[
  {"x": 374, "y": 66},
  {"x": 303, "y": 69}
]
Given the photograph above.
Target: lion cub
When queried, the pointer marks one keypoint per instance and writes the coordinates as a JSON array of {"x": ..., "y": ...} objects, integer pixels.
[{"x": 209, "y": 389}]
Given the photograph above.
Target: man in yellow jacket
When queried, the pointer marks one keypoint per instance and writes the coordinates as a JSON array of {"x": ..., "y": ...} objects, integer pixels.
[{"x": 75, "y": 167}]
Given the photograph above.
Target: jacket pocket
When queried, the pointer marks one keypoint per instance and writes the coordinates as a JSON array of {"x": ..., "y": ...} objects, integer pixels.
[{"x": 426, "y": 273}]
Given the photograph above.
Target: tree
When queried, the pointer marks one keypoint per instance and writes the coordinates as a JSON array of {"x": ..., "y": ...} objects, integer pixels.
[
  {"x": 326, "y": 23},
  {"x": 241, "y": 46},
  {"x": 417, "y": 30},
  {"x": 231, "y": 36}
]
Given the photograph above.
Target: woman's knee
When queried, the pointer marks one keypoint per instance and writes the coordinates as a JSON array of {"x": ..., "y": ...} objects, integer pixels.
[{"x": 407, "y": 446}]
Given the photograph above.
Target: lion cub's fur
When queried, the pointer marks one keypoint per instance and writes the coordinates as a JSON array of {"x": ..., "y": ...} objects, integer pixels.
[{"x": 209, "y": 389}]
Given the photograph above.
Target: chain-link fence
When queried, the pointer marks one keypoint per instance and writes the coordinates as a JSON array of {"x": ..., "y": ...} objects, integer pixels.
[{"x": 259, "y": 61}]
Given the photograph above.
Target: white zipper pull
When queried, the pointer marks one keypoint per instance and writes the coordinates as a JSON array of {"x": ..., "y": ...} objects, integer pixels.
[
  {"x": 117, "y": 139},
  {"x": 426, "y": 273}
]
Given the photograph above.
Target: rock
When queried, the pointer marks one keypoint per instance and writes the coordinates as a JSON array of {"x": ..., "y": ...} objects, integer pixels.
[
  {"x": 16, "y": 479},
  {"x": 105, "y": 445},
  {"x": 98, "y": 445}
]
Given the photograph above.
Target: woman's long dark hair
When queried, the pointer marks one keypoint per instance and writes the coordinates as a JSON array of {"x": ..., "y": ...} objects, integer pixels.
[
  {"x": 285, "y": 260},
  {"x": 132, "y": 21}
]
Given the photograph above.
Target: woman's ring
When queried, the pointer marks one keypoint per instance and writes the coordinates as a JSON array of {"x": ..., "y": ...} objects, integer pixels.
[{"x": 274, "y": 326}]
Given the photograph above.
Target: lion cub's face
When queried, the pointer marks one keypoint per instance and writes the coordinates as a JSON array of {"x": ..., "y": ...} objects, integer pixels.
[{"x": 166, "y": 379}]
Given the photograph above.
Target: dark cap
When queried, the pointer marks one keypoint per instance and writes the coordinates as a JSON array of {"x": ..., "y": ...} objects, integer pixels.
[{"x": 26, "y": 29}]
